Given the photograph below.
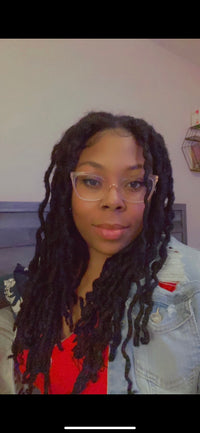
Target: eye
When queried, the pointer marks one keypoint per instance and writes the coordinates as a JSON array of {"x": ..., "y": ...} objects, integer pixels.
[
  {"x": 134, "y": 185},
  {"x": 91, "y": 182}
]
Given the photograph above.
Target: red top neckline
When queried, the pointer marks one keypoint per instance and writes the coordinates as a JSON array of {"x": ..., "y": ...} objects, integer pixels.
[{"x": 65, "y": 369}]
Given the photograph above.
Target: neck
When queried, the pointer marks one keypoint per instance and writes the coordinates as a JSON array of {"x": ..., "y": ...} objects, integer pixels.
[{"x": 93, "y": 272}]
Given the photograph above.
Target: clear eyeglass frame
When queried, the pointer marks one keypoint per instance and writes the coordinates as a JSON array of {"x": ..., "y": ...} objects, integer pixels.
[{"x": 75, "y": 174}]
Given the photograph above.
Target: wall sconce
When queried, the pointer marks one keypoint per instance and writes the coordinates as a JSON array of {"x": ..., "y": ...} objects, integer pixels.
[{"x": 191, "y": 148}]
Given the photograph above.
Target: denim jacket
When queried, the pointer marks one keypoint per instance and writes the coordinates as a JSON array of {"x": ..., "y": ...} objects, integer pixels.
[{"x": 170, "y": 362}]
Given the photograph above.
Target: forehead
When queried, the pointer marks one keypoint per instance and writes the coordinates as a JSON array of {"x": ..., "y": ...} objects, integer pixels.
[{"x": 115, "y": 148}]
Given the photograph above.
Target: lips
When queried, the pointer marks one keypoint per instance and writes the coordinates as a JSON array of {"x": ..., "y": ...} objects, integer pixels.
[
  {"x": 111, "y": 226},
  {"x": 110, "y": 231}
]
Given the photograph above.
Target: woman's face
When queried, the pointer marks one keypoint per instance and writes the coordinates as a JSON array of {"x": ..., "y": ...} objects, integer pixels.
[{"x": 110, "y": 224}]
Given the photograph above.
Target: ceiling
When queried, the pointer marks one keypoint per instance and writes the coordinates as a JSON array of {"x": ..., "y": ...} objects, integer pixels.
[{"x": 186, "y": 48}]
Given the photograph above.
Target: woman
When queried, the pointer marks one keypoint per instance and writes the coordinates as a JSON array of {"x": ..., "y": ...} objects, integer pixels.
[{"x": 93, "y": 312}]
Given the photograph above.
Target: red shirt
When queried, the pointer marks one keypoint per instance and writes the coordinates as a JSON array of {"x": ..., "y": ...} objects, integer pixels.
[{"x": 65, "y": 369}]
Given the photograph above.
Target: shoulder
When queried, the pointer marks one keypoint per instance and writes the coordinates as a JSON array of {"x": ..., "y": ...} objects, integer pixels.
[
  {"x": 186, "y": 249},
  {"x": 12, "y": 288},
  {"x": 189, "y": 257}
]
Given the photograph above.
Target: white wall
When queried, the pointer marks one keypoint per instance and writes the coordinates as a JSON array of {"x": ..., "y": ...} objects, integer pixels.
[{"x": 48, "y": 84}]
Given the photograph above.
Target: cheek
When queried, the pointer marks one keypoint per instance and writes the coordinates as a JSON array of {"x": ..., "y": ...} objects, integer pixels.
[
  {"x": 136, "y": 218},
  {"x": 81, "y": 212}
]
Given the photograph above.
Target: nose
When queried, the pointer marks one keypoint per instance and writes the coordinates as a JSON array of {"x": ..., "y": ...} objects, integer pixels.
[{"x": 113, "y": 200}]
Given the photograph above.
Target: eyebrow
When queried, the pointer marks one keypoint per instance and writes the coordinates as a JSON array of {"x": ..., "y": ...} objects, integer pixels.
[{"x": 97, "y": 165}]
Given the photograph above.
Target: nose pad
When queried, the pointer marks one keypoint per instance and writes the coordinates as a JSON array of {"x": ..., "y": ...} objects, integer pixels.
[{"x": 113, "y": 199}]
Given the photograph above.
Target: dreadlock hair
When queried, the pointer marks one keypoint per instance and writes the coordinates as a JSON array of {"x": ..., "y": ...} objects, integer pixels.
[{"x": 61, "y": 259}]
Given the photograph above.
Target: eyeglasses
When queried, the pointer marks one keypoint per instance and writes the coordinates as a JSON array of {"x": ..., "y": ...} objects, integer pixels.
[{"x": 91, "y": 187}]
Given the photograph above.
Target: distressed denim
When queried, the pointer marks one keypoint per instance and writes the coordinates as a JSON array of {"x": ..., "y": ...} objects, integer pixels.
[{"x": 170, "y": 363}]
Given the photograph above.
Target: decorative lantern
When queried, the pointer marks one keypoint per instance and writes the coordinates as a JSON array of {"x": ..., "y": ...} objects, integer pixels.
[{"x": 191, "y": 148}]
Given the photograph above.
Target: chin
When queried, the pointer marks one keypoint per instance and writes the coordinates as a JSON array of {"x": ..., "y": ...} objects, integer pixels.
[{"x": 109, "y": 251}]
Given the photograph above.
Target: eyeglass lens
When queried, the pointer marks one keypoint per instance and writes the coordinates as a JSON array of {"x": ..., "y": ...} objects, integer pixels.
[{"x": 91, "y": 187}]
